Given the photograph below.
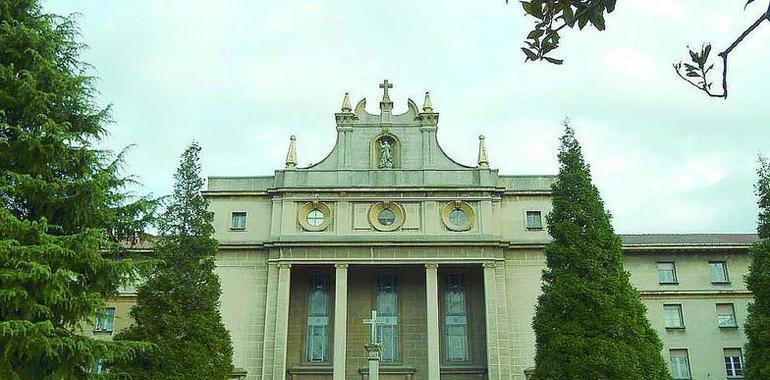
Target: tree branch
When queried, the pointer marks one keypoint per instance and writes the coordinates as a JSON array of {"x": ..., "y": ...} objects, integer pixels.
[
  {"x": 566, "y": 23},
  {"x": 724, "y": 55}
]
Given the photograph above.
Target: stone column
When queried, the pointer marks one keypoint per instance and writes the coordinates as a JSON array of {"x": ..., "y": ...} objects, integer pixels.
[
  {"x": 431, "y": 291},
  {"x": 340, "y": 320},
  {"x": 490, "y": 306},
  {"x": 282, "y": 321}
]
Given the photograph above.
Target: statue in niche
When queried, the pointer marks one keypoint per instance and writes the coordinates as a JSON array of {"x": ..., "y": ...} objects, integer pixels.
[{"x": 386, "y": 155}]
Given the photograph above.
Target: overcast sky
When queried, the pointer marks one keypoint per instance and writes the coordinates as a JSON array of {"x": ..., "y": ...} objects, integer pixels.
[{"x": 242, "y": 76}]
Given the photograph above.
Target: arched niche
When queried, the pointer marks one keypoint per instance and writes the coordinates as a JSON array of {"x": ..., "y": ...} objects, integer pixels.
[{"x": 377, "y": 147}]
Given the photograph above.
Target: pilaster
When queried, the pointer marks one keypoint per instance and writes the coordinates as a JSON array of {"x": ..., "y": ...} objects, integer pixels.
[
  {"x": 268, "y": 341},
  {"x": 490, "y": 299},
  {"x": 282, "y": 321}
]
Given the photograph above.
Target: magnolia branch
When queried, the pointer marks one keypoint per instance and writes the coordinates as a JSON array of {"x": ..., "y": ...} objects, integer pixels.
[{"x": 704, "y": 86}]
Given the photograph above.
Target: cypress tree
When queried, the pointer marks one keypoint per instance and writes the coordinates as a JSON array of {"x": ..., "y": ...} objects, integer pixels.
[
  {"x": 178, "y": 306},
  {"x": 63, "y": 206},
  {"x": 758, "y": 282},
  {"x": 589, "y": 322}
]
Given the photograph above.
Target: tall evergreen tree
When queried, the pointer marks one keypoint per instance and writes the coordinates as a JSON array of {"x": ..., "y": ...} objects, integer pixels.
[
  {"x": 63, "y": 208},
  {"x": 590, "y": 322},
  {"x": 178, "y": 307},
  {"x": 758, "y": 282}
]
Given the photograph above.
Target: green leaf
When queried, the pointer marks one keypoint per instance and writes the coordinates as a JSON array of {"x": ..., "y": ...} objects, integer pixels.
[
  {"x": 569, "y": 16},
  {"x": 530, "y": 54},
  {"x": 583, "y": 20},
  {"x": 535, "y": 34},
  {"x": 694, "y": 56},
  {"x": 554, "y": 60},
  {"x": 597, "y": 19}
]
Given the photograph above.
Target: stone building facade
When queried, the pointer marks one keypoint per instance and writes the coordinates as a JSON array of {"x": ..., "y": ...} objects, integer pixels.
[{"x": 449, "y": 255}]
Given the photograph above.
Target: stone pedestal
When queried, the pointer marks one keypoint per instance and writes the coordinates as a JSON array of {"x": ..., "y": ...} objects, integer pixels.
[{"x": 373, "y": 356}]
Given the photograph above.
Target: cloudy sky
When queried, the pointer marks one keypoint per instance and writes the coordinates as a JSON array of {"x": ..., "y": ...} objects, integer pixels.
[{"x": 242, "y": 76}]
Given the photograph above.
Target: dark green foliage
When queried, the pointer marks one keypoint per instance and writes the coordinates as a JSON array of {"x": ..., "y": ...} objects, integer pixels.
[
  {"x": 590, "y": 322},
  {"x": 758, "y": 281},
  {"x": 62, "y": 205},
  {"x": 551, "y": 16},
  {"x": 178, "y": 307}
]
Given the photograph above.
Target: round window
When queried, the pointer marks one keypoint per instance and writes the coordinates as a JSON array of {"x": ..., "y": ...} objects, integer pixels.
[
  {"x": 386, "y": 217},
  {"x": 458, "y": 217},
  {"x": 315, "y": 217}
]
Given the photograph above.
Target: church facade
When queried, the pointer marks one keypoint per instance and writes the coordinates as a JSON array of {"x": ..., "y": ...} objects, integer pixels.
[{"x": 450, "y": 256}]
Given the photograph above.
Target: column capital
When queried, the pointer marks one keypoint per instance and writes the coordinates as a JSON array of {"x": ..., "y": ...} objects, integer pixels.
[
  {"x": 431, "y": 266},
  {"x": 341, "y": 265},
  {"x": 283, "y": 265},
  {"x": 490, "y": 264}
]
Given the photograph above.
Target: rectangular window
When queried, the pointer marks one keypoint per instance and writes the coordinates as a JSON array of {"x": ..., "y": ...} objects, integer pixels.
[
  {"x": 718, "y": 271},
  {"x": 239, "y": 221},
  {"x": 534, "y": 220},
  {"x": 387, "y": 312},
  {"x": 667, "y": 272},
  {"x": 680, "y": 364},
  {"x": 734, "y": 362},
  {"x": 673, "y": 316},
  {"x": 318, "y": 319},
  {"x": 456, "y": 319},
  {"x": 105, "y": 320},
  {"x": 726, "y": 315}
]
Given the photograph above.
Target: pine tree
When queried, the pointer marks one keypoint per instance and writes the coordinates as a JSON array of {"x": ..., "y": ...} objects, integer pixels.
[
  {"x": 63, "y": 207},
  {"x": 758, "y": 282},
  {"x": 178, "y": 307},
  {"x": 590, "y": 322}
]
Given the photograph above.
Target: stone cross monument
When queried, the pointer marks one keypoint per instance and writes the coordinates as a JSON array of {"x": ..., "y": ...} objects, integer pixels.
[{"x": 373, "y": 348}]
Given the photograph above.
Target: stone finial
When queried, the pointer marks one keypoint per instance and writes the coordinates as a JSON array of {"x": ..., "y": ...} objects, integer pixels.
[
  {"x": 291, "y": 157},
  {"x": 483, "y": 162},
  {"x": 346, "y": 107},
  {"x": 427, "y": 106}
]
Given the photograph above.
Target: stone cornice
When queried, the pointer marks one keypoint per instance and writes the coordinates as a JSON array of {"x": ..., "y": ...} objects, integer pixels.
[
  {"x": 464, "y": 243},
  {"x": 658, "y": 294}
]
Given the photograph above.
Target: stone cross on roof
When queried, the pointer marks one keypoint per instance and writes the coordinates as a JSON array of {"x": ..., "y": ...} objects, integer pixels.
[
  {"x": 385, "y": 85},
  {"x": 386, "y": 105},
  {"x": 373, "y": 322}
]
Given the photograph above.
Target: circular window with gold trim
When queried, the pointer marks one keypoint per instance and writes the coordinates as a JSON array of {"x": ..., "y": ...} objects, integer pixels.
[
  {"x": 386, "y": 216},
  {"x": 458, "y": 216},
  {"x": 314, "y": 216}
]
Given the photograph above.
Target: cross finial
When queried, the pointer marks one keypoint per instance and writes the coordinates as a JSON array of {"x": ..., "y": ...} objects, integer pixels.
[
  {"x": 386, "y": 105},
  {"x": 385, "y": 85}
]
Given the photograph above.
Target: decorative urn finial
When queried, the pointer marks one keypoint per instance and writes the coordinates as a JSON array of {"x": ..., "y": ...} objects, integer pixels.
[
  {"x": 483, "y": 162},
  {"x": 291, "y": 157},
  {"x": 346, "y": 107},
  {"x": 427, "y": 106}
]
